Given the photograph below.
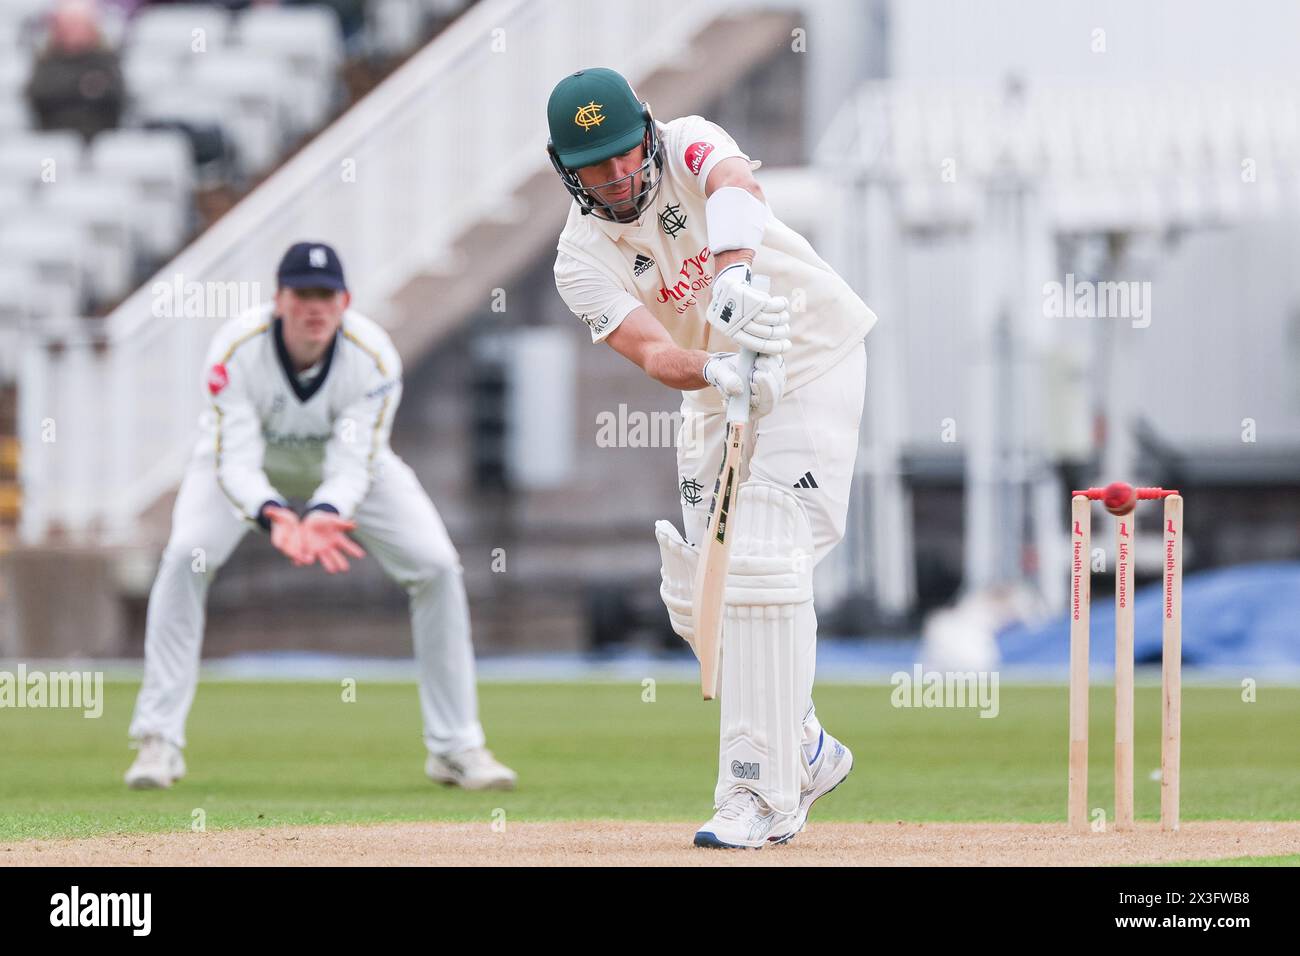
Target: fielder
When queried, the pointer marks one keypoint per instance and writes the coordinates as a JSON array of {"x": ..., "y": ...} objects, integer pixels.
[
  {"x": 302, "y": 395},
  {"x": 666, "y": 232}
]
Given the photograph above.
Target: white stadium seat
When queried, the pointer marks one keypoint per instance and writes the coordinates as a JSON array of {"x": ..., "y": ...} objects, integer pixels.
[
  {"x": 172, "y": 31},
  {"x": 391, "y": 24},
  {"x": 25, "y": 12},
  {"x": 55, "y": 252},
  {"x": 15, "y": 294},
  {"x": 179, "y": 101},
  {"x": 256, "y": 92},
  {"x": 11, "y": 37},
  {"x": 14, "y": 119},
  {"x": 15, "y": 71},
  {"x": 158, "y": 165},
  {"x": 144, "y": 72},
  {"x": 16, "y": 306},
  {"x": 27, "y": 156},
  {"x": 25, "y": 296},
  {"x": 300, "y": 31},
  {"x": 308, "y": 41},
  {"x": 15, "y": 195},
  {"x": 105, "y": 210}
]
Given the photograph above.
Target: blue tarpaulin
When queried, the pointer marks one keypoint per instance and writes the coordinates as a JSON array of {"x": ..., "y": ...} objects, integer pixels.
[{"x": 1244, "y": 616}]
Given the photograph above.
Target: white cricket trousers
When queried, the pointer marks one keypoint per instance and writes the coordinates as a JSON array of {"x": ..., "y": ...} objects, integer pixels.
[
  {"x": 807, "y": 443},
  {"x": 397, "y": 523}
]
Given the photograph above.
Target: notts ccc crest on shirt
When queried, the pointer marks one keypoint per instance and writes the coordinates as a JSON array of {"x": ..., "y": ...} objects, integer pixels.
[
  {"x": 641, "y": 263},
  {"x": 671, "y": 220},
  {"x": 692, "y": 491}
]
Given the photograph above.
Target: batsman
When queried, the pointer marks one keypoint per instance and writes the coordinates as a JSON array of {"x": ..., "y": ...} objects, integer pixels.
[{"x": 672, "y": 256}]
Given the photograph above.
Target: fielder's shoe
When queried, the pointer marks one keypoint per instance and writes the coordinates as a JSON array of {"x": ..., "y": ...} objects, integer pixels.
[
  {"x": 828, "y": 768},
  {"x": 473, "y": 769},
  {"x": 744, "y": 820},
  {"x": 158, "y": 765}
]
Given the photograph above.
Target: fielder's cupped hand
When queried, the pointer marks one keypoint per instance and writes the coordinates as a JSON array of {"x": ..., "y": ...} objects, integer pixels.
[
  {"x": 766, "y": 382},
  {"x": 286, "y": 534},
  {"x": 748, "y": 315},
  {"x": 324, "y": 539}
]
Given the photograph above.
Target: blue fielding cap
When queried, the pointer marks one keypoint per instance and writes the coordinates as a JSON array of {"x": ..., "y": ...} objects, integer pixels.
[{"x": 310, "y": 265}]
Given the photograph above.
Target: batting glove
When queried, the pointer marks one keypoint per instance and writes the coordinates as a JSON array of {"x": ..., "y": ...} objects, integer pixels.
[
  {"x": 766, "y": 381},
  {"x": 750, "y": 317}
]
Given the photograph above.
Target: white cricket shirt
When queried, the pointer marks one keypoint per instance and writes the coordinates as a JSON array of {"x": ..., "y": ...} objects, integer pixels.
[
  {"x": 272, "y": 433},
  {"x": 604, "y": 270}
]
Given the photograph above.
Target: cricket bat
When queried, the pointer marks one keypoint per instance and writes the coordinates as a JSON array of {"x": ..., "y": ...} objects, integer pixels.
[{"x": 715, "y": 549}]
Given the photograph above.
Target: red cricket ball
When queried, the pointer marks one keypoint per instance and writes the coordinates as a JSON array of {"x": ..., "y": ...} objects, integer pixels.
[{"x": 1120, "y": 498}]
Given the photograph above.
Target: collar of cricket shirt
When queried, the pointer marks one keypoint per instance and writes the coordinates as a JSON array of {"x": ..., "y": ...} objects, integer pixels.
[
  {"x": 636, "y": 227},
  {"x": 304, "y": 390}
]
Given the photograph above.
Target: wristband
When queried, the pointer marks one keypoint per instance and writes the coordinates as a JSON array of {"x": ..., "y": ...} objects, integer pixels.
[
  {"x": 262, "y": 520},
  {"x": 736, "y": 219}
]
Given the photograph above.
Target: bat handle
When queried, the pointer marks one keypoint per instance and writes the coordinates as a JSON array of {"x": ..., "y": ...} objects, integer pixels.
[{"x": 738, "y": 405}]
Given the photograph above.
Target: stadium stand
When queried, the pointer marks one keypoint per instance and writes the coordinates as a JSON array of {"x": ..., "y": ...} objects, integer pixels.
[{"x": 217, "y": 98}]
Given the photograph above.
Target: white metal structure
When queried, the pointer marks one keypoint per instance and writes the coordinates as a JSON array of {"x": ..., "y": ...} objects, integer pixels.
[
  {"x": 959, "y": 206},
  {"x": 392, "y": 183}
]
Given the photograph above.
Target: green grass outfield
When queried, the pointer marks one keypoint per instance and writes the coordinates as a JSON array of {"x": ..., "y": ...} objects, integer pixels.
[{"x": 264, "y": 754}]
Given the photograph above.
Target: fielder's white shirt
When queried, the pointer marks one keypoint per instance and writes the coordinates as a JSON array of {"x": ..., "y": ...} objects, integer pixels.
[
  {"x": 320, "y": 434},
  {"x": 604, "y": 270}
]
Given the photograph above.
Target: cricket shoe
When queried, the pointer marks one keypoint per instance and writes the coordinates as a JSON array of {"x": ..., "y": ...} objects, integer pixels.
[
  {"x": 743, "y": 821},
  {"x": 158, "y": 765},
  {"x": 827, "y": 769},
  {"x": 473, "y": 769}
]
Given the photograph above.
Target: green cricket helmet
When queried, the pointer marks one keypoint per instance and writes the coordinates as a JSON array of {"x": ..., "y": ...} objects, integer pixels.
[{"x": 593, "y": 116}]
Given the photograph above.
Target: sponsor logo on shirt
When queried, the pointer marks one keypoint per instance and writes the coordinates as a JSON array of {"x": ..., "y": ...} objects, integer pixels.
[
  {"x": 597, "y": 323},
  {"x": 295, "y": 439},
  {"x": 641, "y": 263},
  {"x": 694, "y": 278},
  {"x": 695, "y": 156},
  {"x": 382, "y": 388},
  {"x": 218, "y": 378}
]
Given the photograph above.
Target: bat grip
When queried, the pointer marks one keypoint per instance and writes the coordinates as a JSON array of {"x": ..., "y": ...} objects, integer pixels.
[{"x": 738, "y": 405}]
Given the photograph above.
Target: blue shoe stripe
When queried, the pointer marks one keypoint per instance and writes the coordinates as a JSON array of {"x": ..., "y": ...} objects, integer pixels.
[{"x": 821, "y": 738}]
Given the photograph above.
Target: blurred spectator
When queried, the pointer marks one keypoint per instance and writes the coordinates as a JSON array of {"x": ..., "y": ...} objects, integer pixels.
[{"x": 77, "y": 81}]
